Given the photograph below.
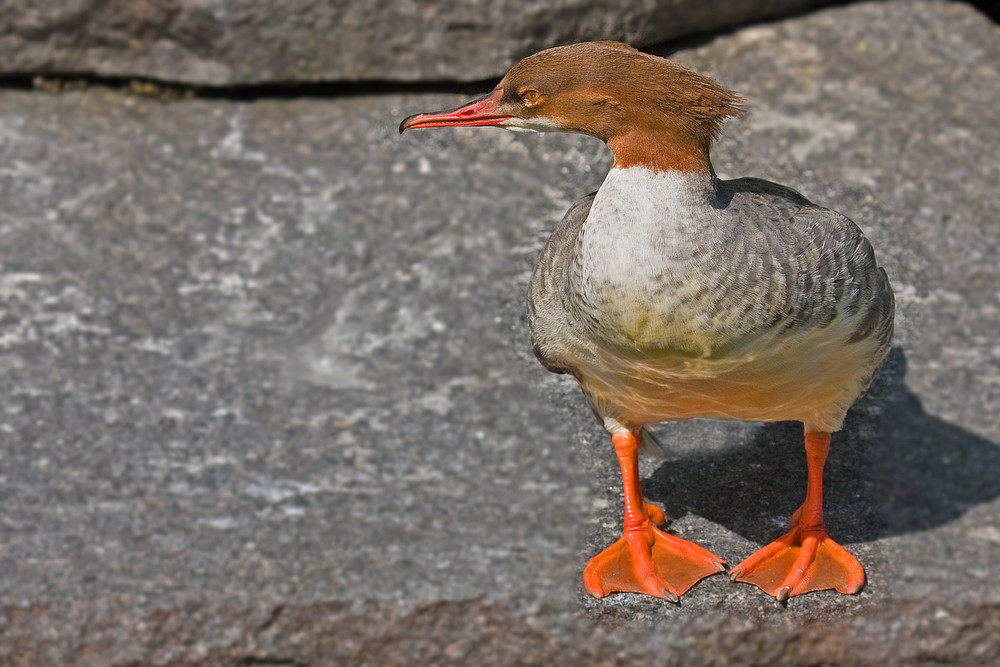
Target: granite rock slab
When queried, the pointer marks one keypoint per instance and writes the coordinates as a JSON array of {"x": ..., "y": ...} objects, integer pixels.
[
  {"x": 268, "y": 396},
  {"x": 287, "y": 41}
]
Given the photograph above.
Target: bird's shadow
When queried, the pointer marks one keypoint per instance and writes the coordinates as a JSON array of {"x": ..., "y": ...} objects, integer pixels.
[{"x": 893, "y": 469}]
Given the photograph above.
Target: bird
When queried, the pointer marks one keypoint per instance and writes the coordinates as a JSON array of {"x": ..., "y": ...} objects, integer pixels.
[{"x": 672, "y": 294}]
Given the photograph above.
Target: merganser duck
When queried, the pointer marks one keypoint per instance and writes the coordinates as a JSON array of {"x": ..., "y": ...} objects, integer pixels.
[{"x": 670, "y": 294}]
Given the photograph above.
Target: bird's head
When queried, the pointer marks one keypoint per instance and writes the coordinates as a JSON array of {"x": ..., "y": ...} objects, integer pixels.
[{"x": 628, "y": 99}]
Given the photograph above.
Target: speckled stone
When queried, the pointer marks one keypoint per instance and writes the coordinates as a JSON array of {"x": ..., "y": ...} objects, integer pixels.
[
  {"x": 287, "y": 41},
  {"x": 267, "y": 393}
]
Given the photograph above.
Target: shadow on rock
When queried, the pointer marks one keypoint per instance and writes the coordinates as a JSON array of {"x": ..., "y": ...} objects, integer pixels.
[{"x": 893, "y": 469}]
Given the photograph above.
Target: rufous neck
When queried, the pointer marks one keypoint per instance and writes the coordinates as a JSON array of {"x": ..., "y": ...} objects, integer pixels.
[{"x": 661, "y": 150}]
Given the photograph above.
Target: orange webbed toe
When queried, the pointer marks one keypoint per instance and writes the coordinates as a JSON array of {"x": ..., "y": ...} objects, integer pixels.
[
  {"x": 804, "y": 559},
  {"x": 650, "y": 561},
  {"x": 645, "y": 559},
  {"x": 801, "y": 561}
]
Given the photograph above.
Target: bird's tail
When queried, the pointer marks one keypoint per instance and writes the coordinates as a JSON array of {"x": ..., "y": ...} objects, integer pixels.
[{"x": 650, "y": 445}]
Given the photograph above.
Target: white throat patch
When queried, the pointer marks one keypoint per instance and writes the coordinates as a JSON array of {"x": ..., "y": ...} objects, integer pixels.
[{"x": 540, "y": 124}]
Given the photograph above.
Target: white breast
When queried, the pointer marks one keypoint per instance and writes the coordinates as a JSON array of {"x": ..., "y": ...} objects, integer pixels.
[
  {"x": 641, "y": 218},
  {"x": 642, "y": 253}
]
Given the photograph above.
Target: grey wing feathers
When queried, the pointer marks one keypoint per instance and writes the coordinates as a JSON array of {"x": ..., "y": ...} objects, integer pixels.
[
  {"x": 829, "y": 264},
  {"x": 878, "y": 321},
  {"x": 847, "y": 260},
  {"x": 546, "y": 290}
]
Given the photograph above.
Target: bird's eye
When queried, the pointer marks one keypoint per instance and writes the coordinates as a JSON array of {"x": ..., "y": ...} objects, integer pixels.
[{"x": 531, "y": 97}]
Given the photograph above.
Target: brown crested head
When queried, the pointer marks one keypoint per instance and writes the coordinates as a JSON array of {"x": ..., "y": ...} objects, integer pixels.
[
  {"x": 649, "y": 110},
  {"x": 599, "y": 87}
]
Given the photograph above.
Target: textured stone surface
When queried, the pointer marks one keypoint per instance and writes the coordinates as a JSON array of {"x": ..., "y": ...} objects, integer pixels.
[
  {"x": 248, "y": 41},
  {"x": 268, "y": 396}
]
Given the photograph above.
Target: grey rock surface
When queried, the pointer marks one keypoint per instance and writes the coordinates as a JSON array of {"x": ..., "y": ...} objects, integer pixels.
[
  {"x": 287, "y": 41},
  {"x": 267, "y": 394}
]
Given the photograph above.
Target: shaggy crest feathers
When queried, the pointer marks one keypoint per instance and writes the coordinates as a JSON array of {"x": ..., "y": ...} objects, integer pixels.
[{"x": 653, "y": 83}]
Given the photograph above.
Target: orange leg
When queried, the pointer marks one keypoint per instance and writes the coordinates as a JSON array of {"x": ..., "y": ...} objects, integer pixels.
[
  {"x": 804, "y": 559},
  {"x": 645, "y": 559}
]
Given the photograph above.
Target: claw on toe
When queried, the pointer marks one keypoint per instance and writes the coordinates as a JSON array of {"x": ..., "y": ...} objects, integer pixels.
[{"x": 801, "y": 562}]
